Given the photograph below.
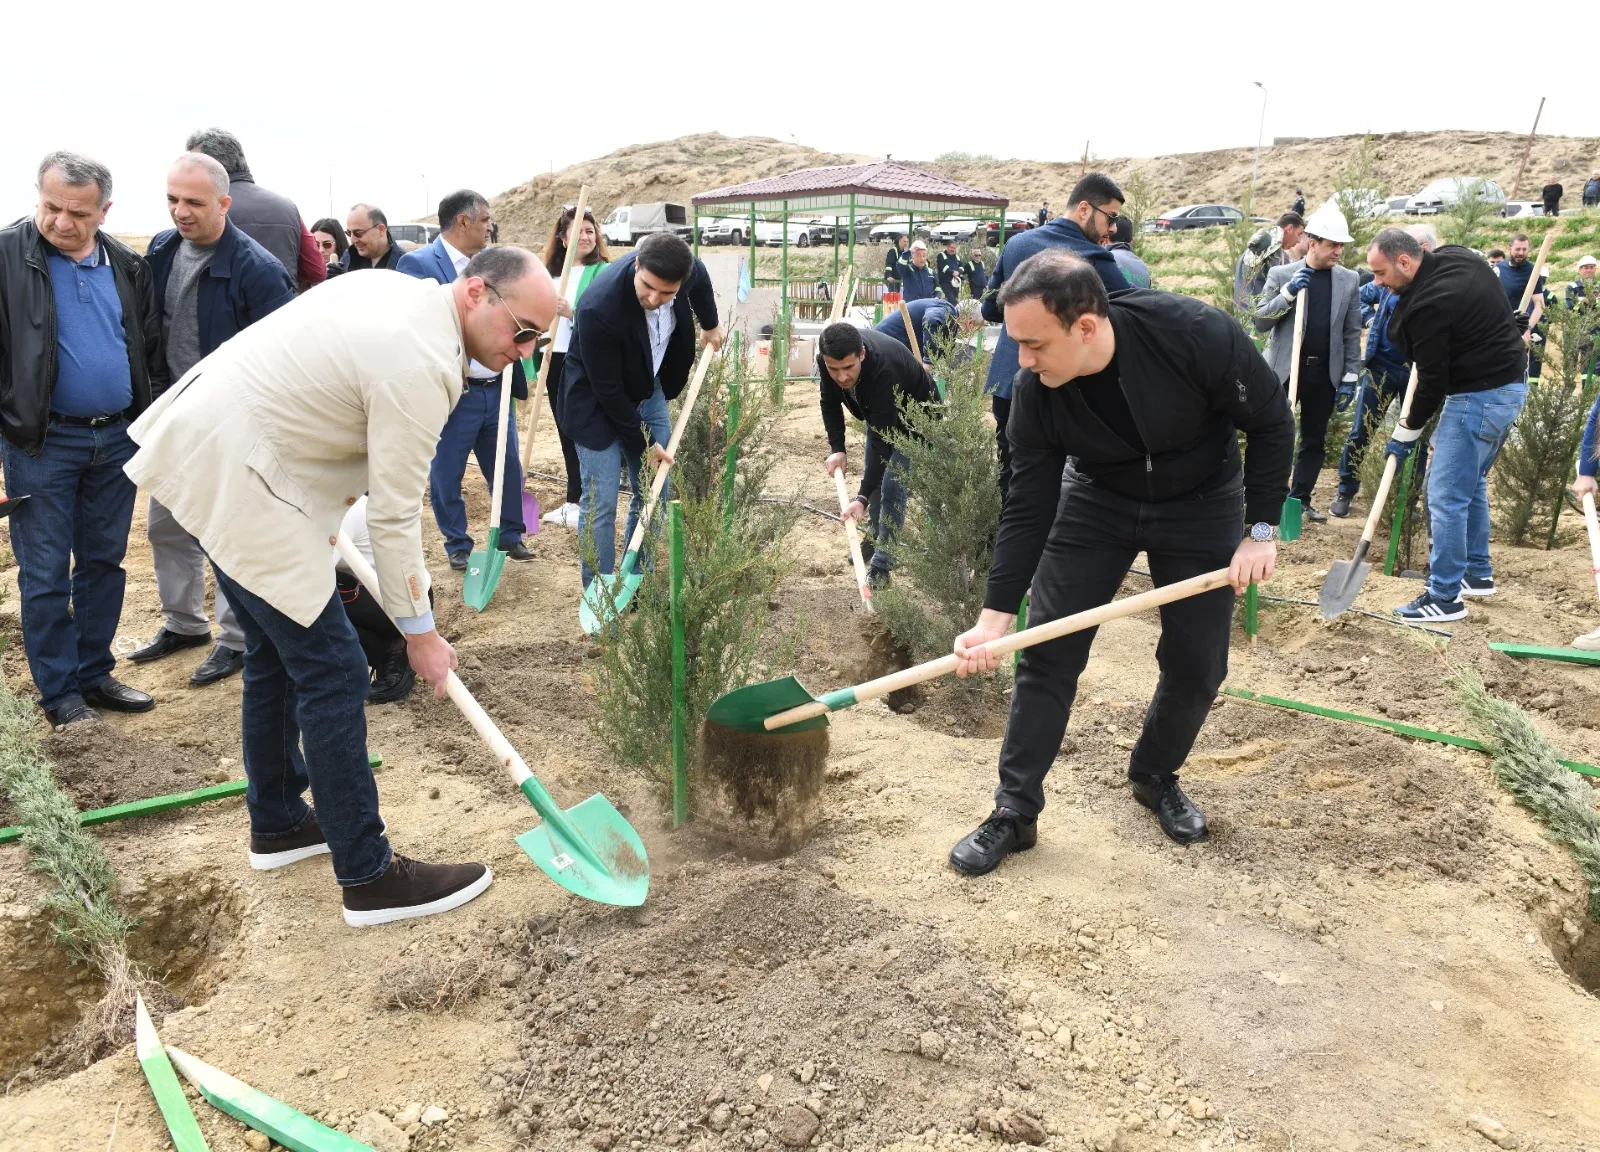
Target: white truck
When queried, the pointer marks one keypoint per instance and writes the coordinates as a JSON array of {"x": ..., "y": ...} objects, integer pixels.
[{"x": 630, "y": 223}]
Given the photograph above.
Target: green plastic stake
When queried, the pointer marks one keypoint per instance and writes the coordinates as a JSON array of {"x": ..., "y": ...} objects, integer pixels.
[
  {"x": 142, "y": 807},
  {"x": 731, "y": 452},
  {"x": 1252, "y": 606},
  {"x": 680, "y": 707},
  {"x": 1535, "y": 652},
  {"x": 272, "y": 1117},
  {"x": 1022, "y": 622},
  {"x": 1388, "y": 725},
  {"x": 164, "y": 1086},
  {"x": 1397, "y": 522}
]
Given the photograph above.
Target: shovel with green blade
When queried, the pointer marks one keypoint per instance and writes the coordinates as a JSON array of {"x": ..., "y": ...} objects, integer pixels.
[
  {"x": 610, "y": 592},
  {"x": 1291, "y": 519},
  {"x": 588, "y": 849},
  {"x": 1346, "y": 577},
  {"x": 787, "y": 705},
  {"x": 484, "y": 567}
]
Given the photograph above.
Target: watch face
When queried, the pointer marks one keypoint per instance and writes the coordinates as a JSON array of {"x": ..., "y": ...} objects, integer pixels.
[{"x": 1261, "y": 532}]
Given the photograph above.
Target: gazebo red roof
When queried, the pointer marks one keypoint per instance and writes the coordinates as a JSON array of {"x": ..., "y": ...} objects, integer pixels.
[{"x": 881, "y": 178}]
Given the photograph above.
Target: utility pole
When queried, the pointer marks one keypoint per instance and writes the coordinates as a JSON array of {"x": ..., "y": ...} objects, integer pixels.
[
  {"x": 1083, "y": 169},
  {"x": 1261, "y": 127},
  {"x": 1526, "y": 149}
]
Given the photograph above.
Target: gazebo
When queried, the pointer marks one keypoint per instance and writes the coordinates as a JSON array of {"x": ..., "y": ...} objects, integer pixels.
[{"x": 844, "y": 193}]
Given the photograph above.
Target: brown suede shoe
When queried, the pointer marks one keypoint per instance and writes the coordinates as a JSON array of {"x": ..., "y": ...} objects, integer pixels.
[{"x": 301, "y": 844}]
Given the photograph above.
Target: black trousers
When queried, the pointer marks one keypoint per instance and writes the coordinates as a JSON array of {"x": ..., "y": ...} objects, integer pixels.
[
  {"x": 1316, "y": 398},
  {"x": 1001, "y": 407},
  {"x": 377, "y": 632},
  {"x": 1092, "y": 545},
  {"x": 569, "y": 450}
]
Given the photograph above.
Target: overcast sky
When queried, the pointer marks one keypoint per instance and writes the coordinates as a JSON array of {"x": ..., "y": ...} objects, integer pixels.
[{"x": 398, "y": 104}]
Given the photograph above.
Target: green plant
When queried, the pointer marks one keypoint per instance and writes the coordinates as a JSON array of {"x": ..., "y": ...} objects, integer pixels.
[
  {"x": 1361, "y": 194},
  {"x": 1529, "y": 767},
  {"x": 952, "y": 478},
  {"x": 732, "y": 566},
  {"x": 1469, "y": 215},
  {"x": 1140, "y": 198}
]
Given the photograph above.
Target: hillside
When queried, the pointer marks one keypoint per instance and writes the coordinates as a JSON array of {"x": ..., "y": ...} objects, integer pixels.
[{"x": 677, "y": 169}]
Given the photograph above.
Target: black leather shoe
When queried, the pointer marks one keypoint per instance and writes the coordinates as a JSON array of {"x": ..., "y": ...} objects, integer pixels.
[
  {"x": 222, "y": 663},
  {"x": 1340, "y": 506},
  {"x": 393, "y": 679},
  {"x": 458, "y": 560},
  {"x": 519, "y": 553},
  {"x": 877, "y": 579},
  {"x": 115, "y": 696},
  {"x": 1314, "y": 516},
  {"x": 166, "y": 643},
  {"x": 71, "y": 711},
  {"x": 1180, "y": 817},
  {"x": 982, "y": 849}
]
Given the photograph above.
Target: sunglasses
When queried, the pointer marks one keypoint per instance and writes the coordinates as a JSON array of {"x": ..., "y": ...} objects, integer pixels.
[
  {"x": 1111, "y": 217},
  {"x": 358, "y": 233},
  {"x": 326, "y": 245},
  {"x": 524, "y": 332}
]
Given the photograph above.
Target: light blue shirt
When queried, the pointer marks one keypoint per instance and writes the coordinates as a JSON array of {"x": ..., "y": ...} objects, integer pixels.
[{"x": 661, "y": 322}]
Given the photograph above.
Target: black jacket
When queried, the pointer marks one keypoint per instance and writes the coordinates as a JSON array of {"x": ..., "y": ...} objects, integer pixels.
[
  {"x": 28, "y": 331},
  {"x": 609, "y": 372},
  {"x": 949, "y": 276},
  {"x": 269, "y": 219},
  {"x": 889, "y": 372},
  {"x": 1192, "y": 380},
  {"x": 354, "y": 261},
  {"x": 1452, "y": 322}
]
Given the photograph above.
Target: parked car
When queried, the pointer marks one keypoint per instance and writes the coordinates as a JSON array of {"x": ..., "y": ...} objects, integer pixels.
[
  {"x": 1197, "y": 216},
  {"x": 1016, "y": 224},
  {"x": 770, "y": 232},
  {"x": 1522, "y": 208},
  {"x": 631, "y": 223},
  {"x": 1444, "y": 194},
  {"x": 957, "y": 230},
  {"x": 733, "y": 230},
  {"x": 890, "y": 230},
  {"x": 1363, "y": 203},
  {"x": 418, "y": 234}
]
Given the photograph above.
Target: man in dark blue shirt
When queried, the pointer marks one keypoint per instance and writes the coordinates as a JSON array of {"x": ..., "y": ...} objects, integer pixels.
[
  {"x": 1514, "y": 273},
  {"x": 916, "y": 278},
  {"x": 64, "y": 409}
]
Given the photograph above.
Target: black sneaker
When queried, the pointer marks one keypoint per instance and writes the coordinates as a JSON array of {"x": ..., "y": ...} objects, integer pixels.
[
  {"x": 458, "y": 560},
  {"x": 1473, "y": 586},
  {"x": 411, "y": 888},
  {"x": 1428, "y": 609},
  {"x": 393, "y": 679},
  {"x": 877, "y": 579},
  {"x": 982, "y": 849},
  {"x": 1180, "y": 817},
  {"x": 303, "y": 843},
  {"x": 1340, "y": 506},
  {"x": 72, "y": 710}
]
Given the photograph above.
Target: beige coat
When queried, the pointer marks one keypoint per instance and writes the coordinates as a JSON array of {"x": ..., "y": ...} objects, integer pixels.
[{"x": 265, "y": 444}]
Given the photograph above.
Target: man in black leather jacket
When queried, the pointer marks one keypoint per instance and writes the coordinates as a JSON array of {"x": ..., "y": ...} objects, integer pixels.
[{"x": 80, "y": 354}]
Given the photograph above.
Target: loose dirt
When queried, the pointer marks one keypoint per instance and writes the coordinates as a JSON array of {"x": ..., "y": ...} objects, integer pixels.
[{"x": 1375, "y": 950}]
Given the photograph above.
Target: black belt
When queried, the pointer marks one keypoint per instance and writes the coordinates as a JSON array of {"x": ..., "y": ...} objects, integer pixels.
[
  {"x": 486, "y": 382},
  {"x": 88, "y": 421}
]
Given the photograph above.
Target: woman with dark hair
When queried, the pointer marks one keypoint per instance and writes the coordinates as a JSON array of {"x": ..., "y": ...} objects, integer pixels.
[
  {"x": 331, "y": 242},
  {"x": 592, "y": 256}
]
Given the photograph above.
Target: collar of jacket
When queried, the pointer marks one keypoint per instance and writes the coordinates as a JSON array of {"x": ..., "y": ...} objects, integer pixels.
[
  {"x": 242, "y": 176},
  {"x": 1069, "y": 227},
  {"x": 221, "y": 265}
]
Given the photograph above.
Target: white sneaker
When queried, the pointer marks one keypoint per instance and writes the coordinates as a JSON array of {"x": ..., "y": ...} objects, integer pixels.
[
  {"x": 1588, "y": 642},
  {"x": 565, "y": 516}
]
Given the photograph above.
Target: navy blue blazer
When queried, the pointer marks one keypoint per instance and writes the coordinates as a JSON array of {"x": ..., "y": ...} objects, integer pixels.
[
  {"x": 432, "y": 262},
  {"x": 243, "y": 283},
  {"x": 608, "y": 372}
]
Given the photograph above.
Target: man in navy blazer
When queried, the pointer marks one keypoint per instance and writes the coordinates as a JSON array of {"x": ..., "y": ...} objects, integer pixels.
[
  {"x": 474, "y": 426},
  {"x": 632, "y": 350}
]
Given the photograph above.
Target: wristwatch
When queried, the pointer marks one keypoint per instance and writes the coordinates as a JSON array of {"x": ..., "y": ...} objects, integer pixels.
[{"x": 1262, "y": 532}]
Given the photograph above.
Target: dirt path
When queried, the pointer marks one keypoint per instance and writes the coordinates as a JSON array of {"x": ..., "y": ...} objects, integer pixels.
[{"x": 1374, "y": 949}]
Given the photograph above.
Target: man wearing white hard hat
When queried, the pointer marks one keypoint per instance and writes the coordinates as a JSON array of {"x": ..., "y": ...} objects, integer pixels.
[
  {"x": 1583, "y": 296},
  {"x": 1330, "y": 351}
]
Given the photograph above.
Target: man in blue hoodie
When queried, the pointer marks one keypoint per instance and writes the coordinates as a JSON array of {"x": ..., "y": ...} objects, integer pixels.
[{"x": 1092, "y": 212}]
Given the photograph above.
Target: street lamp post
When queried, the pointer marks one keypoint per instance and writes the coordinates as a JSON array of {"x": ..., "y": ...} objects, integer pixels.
[{"x": 1261, "y": 127}]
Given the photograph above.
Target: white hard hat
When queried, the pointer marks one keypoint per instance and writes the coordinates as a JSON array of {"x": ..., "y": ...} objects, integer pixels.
[
  {"x": 1582, "y": 260},
  {"x": 1328, "y": 223},
  {"x": 919, "y": 244}
]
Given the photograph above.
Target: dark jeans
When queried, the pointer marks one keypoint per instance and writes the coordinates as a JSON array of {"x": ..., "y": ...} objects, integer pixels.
[
  {"x": 305, "y": 724},
  {"x": 1316, "y": 409},
  {"x": 1092, "y": 545},
  {"x": 889, "y": 501},
  {"x": 1001, "y": 407},
  {"x": 569, "y": 450},
  {"x": 471, "y": 430},
  {"x": 1372, "y": 401},
  {"x": 69, "y": 539}
]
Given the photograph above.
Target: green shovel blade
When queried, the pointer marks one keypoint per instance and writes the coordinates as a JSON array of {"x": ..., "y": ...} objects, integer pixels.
[
  {"x": 609, "y": 594},
  {"x": 483, "y": 573},
  {"x": 1289, "y": 522},
  {"x": 592, "y": 851},
  {"x": 745, "y": 708}
]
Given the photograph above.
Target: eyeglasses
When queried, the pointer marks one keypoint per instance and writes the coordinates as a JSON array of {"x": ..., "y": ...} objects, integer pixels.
[
  {"x": 1111, "y": 217},
  {"x": 358, "y": 233},
  {"x": 326, "y": 245},
  {"x": 524, "y": 333}
]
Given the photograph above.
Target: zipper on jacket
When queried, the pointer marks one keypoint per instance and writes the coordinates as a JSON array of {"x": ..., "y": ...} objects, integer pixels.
[{"x": 1149, "y": 478}]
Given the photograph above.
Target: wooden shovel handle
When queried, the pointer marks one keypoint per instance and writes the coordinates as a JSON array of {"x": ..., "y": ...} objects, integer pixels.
[
  {"x": 1299, "y": 339},
  {"x": 1077, "y": 622},
  {"x": 1390, "y": 466},
  {"x": 1594, "y": 537},
  {"x": 853, "y": 539},
  {"x": 911, "y": 331},
  {"x": 499, "y": 487},
  {"x": 542, "y": 383},
  {"x": 660, "y": 481},
  {"x": 470, "y": 708}
]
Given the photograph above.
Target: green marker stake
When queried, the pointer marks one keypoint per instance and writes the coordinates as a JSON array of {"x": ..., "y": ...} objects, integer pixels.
[
  {"x": 273, "y": 1117},
  {"x": 1536, "y": 652},
  {"x": 164, "y": 1086}
]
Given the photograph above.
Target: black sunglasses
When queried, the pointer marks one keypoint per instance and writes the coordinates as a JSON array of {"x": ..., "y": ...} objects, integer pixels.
[{"x": 525, "y": 333}]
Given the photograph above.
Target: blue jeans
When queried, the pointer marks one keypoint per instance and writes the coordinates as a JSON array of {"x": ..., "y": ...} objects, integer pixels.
[
  {"x": 472, "y": 428},
  {"x": 1378, "y": 388},
  {"x": 1473, "y": 427},
  {"x": 601, "y": 470},
  {"x": 889, "y": 500},
  {"x": 69, "y": 539},
  {"x": 304, "y": 725}
]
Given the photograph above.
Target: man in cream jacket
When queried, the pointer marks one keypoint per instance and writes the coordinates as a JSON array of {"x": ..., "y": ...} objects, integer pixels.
[{"x": 258, "y": 452}]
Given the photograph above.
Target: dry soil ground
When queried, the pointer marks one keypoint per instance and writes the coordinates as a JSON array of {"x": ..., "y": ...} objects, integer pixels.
[{"x": 1375, "y": 950}]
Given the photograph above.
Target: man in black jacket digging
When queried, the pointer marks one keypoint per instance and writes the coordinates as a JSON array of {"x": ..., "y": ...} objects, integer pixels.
[
  {"x": 1144, "y": 391},
  {"x": 868, "y": 372}
]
